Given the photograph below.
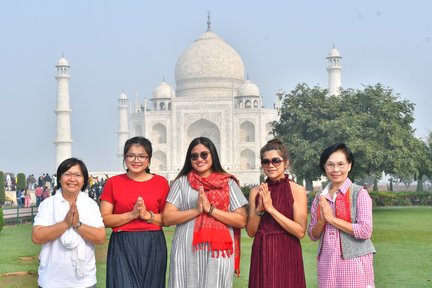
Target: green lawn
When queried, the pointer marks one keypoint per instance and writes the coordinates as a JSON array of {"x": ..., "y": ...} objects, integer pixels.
[{"x": 402, "y": 237}]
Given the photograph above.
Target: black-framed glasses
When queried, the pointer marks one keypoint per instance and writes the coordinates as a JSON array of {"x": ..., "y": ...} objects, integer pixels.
[
  {"x": 203, "y": 155},
  {"x": 133, "y": 157},
  {"x": 274, "y": 161}
]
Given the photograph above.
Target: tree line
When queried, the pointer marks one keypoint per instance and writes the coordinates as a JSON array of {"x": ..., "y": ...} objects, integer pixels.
[{"x": 374, "y": 122}]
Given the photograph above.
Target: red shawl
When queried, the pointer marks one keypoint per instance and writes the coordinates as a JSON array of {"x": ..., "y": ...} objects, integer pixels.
[
  {"x": 342, "y": 207},
  {"x": 210, "y": 233}
]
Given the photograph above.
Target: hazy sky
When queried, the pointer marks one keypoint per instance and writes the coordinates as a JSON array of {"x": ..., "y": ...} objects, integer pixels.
[{"x": 114, "y": 46}]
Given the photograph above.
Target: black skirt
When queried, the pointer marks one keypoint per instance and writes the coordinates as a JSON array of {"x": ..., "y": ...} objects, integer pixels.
[{"x": 136, "y": 260}]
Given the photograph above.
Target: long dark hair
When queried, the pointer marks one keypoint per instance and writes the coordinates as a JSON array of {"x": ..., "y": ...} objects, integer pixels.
[
  {"x": 187, "y": 166},
  {"x": 141, "y": 141},
  {"x": 66, "y": 165}
]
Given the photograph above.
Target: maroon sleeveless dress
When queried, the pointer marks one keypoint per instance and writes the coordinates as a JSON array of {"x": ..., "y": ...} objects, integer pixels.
[{"x": 276, "y": 259}]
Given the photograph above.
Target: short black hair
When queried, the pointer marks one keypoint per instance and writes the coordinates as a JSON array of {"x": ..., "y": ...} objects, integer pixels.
[
  {"x": 66, "y": 165},
  {"x": 333, "y": 148}
]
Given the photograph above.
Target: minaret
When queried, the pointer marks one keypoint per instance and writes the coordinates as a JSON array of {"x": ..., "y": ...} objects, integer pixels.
[
  {"x": 123, "y": 132},
  {"x": 63, "y": 141},
  {"x": 278, "y": 100},
  {"x": 334, "y": 70}
]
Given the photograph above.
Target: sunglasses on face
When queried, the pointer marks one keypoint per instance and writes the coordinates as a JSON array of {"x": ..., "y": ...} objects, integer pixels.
[
  {"x": 203, "y": 155},
  {"x": 275, "y": 161}
]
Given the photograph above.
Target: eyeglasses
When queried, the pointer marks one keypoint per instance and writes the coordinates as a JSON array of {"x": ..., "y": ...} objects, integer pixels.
[
  {"x": 70, "y": 175},
  {"x": 275, "y": 161},
  {"x": 133, "y": 157},
  {"x": 203, "y": 155},
  {"x": 331, "y": 166}
]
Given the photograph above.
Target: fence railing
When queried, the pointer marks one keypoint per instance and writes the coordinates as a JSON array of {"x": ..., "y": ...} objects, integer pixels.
[{"x": 18, "y": 215}]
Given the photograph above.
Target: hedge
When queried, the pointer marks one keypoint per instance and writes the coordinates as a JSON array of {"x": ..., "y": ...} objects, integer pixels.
[
  {"x": 1, "y": 219},
  {"x": 2, "y": 189},
  {"x": 386, "y": 198}
]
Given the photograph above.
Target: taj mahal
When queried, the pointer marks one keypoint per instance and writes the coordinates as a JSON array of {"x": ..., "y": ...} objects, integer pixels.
[{"x": 211, "y": 97}]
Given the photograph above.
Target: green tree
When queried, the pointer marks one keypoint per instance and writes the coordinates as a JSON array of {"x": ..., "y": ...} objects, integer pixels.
[
  {"x": 428, "y": 172},
  {"x": 21, "y": 182},
  {"x": 374, "y": 122},
  {"x": 2, "y": 189},
  {"x": 380, "y": 131},
  {"x": 305, "y": 118},
  {"x": 423, "y": 160},
  {"x": 1, "y": 219}
]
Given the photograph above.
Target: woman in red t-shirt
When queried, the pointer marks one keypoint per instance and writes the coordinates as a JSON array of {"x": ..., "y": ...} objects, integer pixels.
[{"x": 131, "y": 204}]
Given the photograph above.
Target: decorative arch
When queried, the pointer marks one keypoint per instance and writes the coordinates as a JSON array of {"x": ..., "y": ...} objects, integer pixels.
[
  {"x": 159, "y": 133},
  {"x": 204, "y": 128},
  {"x": 158, "y": 162},
  {"x": 162, "y": 106},
  {"x": 247, "y": 160},
  {"x": 255, "y": 104},
  {"x": 247, "y": 132},
  {"x": 248, "y": 104}
]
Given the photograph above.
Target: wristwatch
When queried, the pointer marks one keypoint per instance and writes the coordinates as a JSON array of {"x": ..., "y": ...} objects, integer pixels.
[{"x": 78, "y": 225}]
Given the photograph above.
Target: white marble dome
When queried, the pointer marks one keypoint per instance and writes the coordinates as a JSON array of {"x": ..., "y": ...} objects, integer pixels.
[
  {"x": 208, "y": 63},
  {"x": 163, "y": 90},
  {"x": 123, "y": 96},
  {"x": 334, "y": 53},
  {"x": 62, "y": 62},
  {"x": 248, "y": 88}
]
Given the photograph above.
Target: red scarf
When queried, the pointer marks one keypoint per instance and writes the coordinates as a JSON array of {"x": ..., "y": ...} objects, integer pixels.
[
  {"x": 210, "y": 233},
  {"x": 342, "y": 207}
]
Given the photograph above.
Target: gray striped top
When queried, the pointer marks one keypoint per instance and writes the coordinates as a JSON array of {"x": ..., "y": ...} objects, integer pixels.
[{"x": 189, "y": 268}]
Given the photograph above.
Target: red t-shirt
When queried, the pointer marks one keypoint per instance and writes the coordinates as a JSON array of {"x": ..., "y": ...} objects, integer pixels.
[
  {"x": 122, "y": 192},
  {"x": 39, "y": 191}
]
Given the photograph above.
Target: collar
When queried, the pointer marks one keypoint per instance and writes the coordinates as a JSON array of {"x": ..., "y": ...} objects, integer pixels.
[
  {"x": 342, "y": 189},
  {"x": 58, "y": 197}
]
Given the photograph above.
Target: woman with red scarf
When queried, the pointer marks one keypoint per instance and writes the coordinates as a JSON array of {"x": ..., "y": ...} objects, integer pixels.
[
  {"x": 341, "y": 219},
  {"x": 208, "y": 207}
]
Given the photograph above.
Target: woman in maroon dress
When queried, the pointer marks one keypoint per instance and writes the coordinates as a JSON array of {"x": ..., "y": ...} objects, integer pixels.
[{"x": 277, "y": 219}]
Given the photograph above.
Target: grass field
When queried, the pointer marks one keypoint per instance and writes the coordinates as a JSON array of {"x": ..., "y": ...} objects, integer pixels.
[{"x": 402, "y": 237}]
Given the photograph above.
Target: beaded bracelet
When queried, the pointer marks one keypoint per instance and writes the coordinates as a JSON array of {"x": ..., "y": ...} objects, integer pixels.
[{"x": 210, "y": 212}]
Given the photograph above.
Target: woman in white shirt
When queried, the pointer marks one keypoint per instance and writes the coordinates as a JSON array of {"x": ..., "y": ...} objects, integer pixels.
[{"x": 68, "y": 225}]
